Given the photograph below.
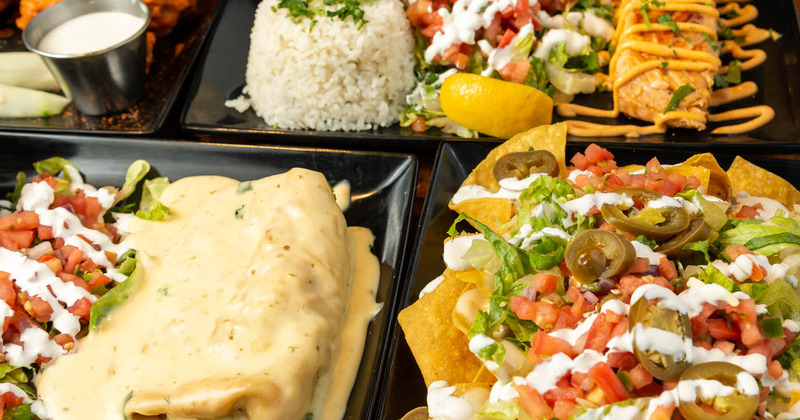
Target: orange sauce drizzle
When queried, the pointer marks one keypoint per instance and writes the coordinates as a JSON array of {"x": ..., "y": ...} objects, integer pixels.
[{"x": 680, "y": 59}]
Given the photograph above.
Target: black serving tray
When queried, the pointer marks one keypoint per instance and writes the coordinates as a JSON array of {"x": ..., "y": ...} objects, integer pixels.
[
  {"x": 173, "y": 56},
  {"x": 222, "y": 77},
  {"x": 382, "y": 196},
  {"x": 404, "y": 388}
]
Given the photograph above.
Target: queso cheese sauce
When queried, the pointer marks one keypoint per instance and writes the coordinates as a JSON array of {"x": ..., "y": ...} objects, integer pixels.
[{"x": 244, "y": 310}]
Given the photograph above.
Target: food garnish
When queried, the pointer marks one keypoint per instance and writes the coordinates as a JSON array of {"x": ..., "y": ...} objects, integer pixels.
[
  {"x": 494, "y": 107},
  {"x": 631, "y": 292}
]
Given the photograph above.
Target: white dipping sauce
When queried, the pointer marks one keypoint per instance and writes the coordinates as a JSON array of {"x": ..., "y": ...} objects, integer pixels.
[{"x": 90, "y": 32}]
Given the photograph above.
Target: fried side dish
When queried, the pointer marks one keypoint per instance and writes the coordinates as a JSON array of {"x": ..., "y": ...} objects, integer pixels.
[{"x": 164, "y": 13}]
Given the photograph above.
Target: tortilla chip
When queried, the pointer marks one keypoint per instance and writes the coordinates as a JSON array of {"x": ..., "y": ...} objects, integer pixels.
[
  {"x": 440, "y": 349},
  {"x": 718, "y": 183},
  {"x": 759, "y": 182},
  {"x": 482, "y": 279},
  {"x": 492, "y": 212},
  {"x": 485, "y": 376},
  {"x": 552, "y": 138}
]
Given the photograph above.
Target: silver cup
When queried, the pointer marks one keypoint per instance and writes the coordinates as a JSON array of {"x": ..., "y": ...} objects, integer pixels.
[{"x": 99, "y": 82}]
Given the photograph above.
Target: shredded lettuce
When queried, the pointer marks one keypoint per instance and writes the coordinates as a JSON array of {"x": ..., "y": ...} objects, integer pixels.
[
  {"x": 13, "y": 196},
  {"x": 150, "y": 207},
  {"x": 744, "y": 233},
  {"x": 108, "y": 302},
  {"x": 500, "y": 410},
  {"x": 711, "y": 275},
  {"x": 22, "y": 412},
  {"x": 16, "y": 376},
  {"x": 136, "y": 172},
  {"x": 53, "y": 166},
  {"x": 782, "y": 300}
]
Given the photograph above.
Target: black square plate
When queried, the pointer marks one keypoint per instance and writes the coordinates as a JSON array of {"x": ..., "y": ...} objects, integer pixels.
[
  {"x": 403, "y": 387},
  {"x": 173, "y": 56},
  {"x": 382, "y": 195},
  {"x": 222, "y": 77}
]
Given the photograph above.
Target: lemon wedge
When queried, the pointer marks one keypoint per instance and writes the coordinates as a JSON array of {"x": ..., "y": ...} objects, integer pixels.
[{"x": 494, "y": 107}]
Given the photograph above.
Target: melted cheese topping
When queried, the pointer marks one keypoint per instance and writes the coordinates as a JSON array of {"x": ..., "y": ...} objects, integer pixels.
[
  {"x": 683, "y": 60},
  {"x": 239, "y": 313}
]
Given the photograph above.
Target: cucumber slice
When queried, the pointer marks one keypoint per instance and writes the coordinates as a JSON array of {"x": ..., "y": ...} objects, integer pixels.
[
  {"x": 26, "y": 69},
  {"x": 18, "y": 102}
]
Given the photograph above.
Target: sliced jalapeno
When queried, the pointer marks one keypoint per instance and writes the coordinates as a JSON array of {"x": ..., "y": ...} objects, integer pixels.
[
  {"x": 522, "y": 164},
  {"x": 597, "y": 253},
  {"x": 419, "y": 413},
  {"x": 698, "y": 230},
  {"x": 741, "y": 388},
  {"x": 666, "y": 367},
  {"x": 676, "y": 220}
]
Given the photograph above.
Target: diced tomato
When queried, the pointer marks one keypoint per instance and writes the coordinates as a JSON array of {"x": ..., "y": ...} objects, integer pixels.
[
  {"x": 93, "y": 208},
  {"x": 652, "y": 390},
  {"x": 44, "y": 232},
  {"x": 23, "y": 220},
  {"x": 599, "y": 334},
  {"x": 73, "y": 256},
  {"x": 640, "y": 377},
  {"x": 39, "y": 309},
  {"x": 662, "y": 412},
  {"x": 666, "y": 269},
  {"x": 98, "y": 279},
  {"x": 748, "y": 212},
  {"x": 431, "y": 30},
  {"x": 417, "y": 10},
  {"x": 620, "y": 328},
  {"x": 580, "y": 161},
  {"x": 16, "y": 239},
  {"x": 759, "y": 273},
  {"x": 543, "y": 314},
  {"x": 544, "y": 283},
  {"x": 53, "y": 263},
  {"x": 562, "y": 393},
  {"x": 761, "y": 347},
  {"x": 419, "y": 125},
  {"x": 734, "y": 251},
  {"x": 516, "y": 71},
  {"x": 653, "y": 168},
  {"x": 7, "y": 291},
  {"x": 719, "y": 329},
  {"x": 640, "y": 265},
  {"x": 727, "y": 347},
  {"x": 775, "y": 369},
  {"x": 10, "y": 400},
  {"x": 745, "y": 308},
  {"x": 67, "y": 277},
  {"x": 621, "y": 360},
  {"x": 629, "y": 283},
  {"x": 533, "y": 403},
  {"x": 81, "y": 308},
  {"x": 608, "y": 381},
  {"x": 508, "y": 36},
  {"x": 582, "y": 380},
  {"x": 595, "y": 153},
  {"x": 543, "y": 344},
  {"x": 65, "y": 341},
  {"x": 563, "y": 409},
  {"x": 614, "y": 317},
  {"x": 566, "y": 319},
  {"x": 492, "y": 32},
  {"x": 88, "y": 266}
]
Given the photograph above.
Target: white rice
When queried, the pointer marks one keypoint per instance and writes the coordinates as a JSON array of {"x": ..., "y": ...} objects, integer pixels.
[{"x": 333, "y": 77}]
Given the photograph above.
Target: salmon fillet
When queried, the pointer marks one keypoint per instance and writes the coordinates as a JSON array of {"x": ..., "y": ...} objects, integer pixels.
[{"x": 647, "y": 95}]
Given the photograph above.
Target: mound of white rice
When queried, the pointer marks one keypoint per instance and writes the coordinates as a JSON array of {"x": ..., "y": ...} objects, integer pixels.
[{"x": 332, "y": 77}]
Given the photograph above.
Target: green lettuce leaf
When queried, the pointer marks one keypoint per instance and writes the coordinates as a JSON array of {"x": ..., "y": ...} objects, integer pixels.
[
  {"x": 711, "y": 275},
  {"x": 13, "y": 196},
  {"x": 115, "y": 297},
  {"x": 782, "y": 300},
  {"x": 150, "y": 207},
  {"x": 136, "y": 172},
  {"x": 22, "y": 412},
  {"x": 743, "y": 233},
  {"x": 500, "y": 410},
  {"x": 17, "y": 376},
  {"x": 53, "y": 166}
]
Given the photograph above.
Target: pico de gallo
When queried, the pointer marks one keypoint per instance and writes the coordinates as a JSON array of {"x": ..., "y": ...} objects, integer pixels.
[
  {"x": 557, "y": 46},
  {"x": 61, "y": 259},
  {"x": 628, "y": 294}
]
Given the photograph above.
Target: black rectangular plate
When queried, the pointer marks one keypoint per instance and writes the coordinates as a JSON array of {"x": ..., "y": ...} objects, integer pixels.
[
  {"x": 403, "y": 387},
  {"x": 382, "y": 190},
  {"x": 223, "y": 69},
  {"x": 167, "y": 74}
]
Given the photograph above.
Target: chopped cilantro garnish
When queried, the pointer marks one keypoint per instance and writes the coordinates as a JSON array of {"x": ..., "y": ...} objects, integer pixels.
[
  {"x": 732, "y": 77},
  {"x": 334, "y": 9},
  {"x": 664, "y": 64},
  {"x": 667, "y": 20},
  {"x": 678, "y": 96},
  {"x": 714, "y": 45}
]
